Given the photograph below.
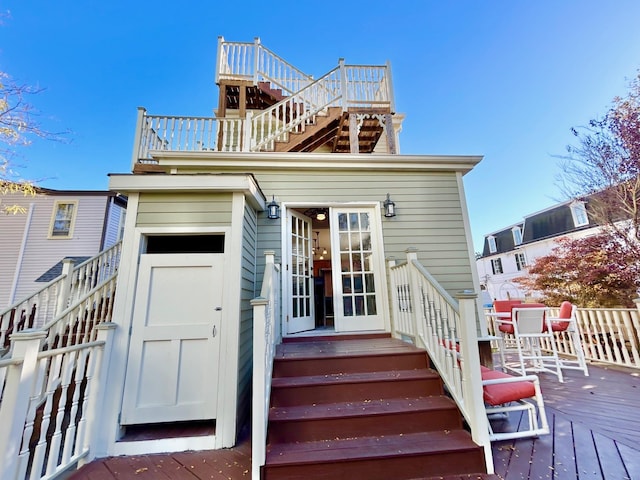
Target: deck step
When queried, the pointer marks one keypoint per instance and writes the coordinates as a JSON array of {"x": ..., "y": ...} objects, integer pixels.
[
  {"x": 408, "y": 456},
  {"x": 391, "y": 416},
  {"x": 342, "y": 387},
  {"x": 346, "y": 356},
  {"x": 348, "y": 408}
]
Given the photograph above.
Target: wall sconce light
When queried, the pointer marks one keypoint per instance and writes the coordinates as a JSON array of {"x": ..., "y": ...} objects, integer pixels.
[
  {"x": 273, "y": 209},
  {"x": 389, "y": 207}
]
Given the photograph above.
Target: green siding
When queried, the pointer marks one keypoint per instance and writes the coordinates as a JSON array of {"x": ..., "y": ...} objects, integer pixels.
[
  {"x": 429, "y": 214},
  {"x": 194, "y": 209},
  {"x": 247, "y": 293}
]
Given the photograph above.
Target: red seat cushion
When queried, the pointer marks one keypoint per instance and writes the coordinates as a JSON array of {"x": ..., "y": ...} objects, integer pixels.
[
  {"x": 508, "y": 328},
  {"x": 565, "y": 312},
  {"x": 505, "y": 392}
]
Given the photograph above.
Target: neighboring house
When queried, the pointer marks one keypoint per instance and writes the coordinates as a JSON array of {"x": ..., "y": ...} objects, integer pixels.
[
  {"x": 303, "y": 167},
  {"x": 508, "y": 252},
  {"x": 57, "y": 224}
]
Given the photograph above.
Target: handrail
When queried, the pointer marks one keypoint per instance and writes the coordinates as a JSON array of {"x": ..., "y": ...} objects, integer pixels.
[
  {"x": 49, "y": 403},
  {"x": 293, "y": 113},
  {"x": 74, "y": 284},
  {"x": 255, "y": 62},
  {"x": 266, "y": 335},
  {"x": 425, "y": 314}
]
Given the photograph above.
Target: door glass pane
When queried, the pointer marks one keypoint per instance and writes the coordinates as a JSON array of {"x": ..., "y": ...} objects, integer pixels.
[
  {"x": 300, "y": 267},
  {"x": 358, "y": 283}
]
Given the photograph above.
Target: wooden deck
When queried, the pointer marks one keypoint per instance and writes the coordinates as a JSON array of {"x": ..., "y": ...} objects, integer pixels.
[{"x": 595, "y": 424}]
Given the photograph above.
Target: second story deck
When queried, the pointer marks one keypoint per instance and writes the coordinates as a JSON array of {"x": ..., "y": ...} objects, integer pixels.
[{"x": 268, "y": 105}]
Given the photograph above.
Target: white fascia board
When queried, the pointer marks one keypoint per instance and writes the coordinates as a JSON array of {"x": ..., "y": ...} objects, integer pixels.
[
  {"x": 127, "y": 183},
  {"x": 297, "y": 161}
]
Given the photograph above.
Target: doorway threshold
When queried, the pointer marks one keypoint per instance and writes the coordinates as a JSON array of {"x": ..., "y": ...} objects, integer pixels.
[{"x": 329, "y": 334}]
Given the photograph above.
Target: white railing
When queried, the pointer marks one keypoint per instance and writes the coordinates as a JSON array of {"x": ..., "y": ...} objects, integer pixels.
[
  {"x": 294, "y": 113},
  {"x": 607, "y": 335},
  {"x": 253, "y": 61},
  {"x": 266, "y": 335},
  {"x": 48, "y": 404},
  {"x": 425, "y": 314},
  {"x": 187, "y": 134},
  {"x": 44, "y": 305}
]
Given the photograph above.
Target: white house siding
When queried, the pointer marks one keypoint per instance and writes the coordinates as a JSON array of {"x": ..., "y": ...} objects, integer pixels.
[
  {"x": 247, "y": 293},
  {"x": 11, "y": 234},
  {"x": 113, "y": 225},
  {"x": 184, "y": 209},
  {"x": 42, "y": 252},
  {"x": 429, "y": 214}
]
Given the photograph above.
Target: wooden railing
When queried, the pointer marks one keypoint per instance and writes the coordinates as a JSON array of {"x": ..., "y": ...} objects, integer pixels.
[
  {"x": 49, "y": 401},
  {"x": 255, "y": 62},
  {"x": 424, "y": 314},
  {"x": 608, "y": 335},
  {"x": 266, "y": 335},
  {"x": 41, "y": 307}
]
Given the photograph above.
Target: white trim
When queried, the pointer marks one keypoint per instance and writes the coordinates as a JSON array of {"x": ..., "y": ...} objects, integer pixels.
[
  {"x": 256, "y": 161},
  {"x": 23, "y": 247},
  {"x": 72, "y": 221},
  {"x": 209, "y": 183},
  {"x": 163, "y": 445}
]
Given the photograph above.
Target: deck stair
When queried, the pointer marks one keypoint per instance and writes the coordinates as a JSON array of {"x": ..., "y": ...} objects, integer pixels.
[{"x": 363, "y": 407}]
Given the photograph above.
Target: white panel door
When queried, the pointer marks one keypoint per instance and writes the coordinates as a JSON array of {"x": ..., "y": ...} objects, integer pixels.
[
  {"x": 357, "y": 268},
  {"x": 300, "y": 270},
  {"x": 172, "y": 370}
]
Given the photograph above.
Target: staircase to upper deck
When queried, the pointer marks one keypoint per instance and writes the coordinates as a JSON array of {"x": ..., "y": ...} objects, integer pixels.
[
  {"x": 348, "y": 407},
  {"x": 347, "y": 108}
]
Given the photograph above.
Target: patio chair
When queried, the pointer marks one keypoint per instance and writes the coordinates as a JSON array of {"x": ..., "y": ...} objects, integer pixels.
[
  {"x": 504, "y": 393},
  {"x": 527, "y": 327},
  {"x": 566, "y": 326}
]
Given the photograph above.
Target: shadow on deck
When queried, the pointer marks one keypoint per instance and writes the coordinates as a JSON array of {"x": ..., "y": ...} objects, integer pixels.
[{"x": 595, "y": 423}]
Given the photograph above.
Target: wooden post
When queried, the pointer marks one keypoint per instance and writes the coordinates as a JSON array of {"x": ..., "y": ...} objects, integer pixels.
[
  {"x": 137, "y": 139},
  {"x": 19, "y": 382},
  {"x": 472, "y": 379},
  {"x": 391, "y": 134},
  {"x": 89, "y": 431},
  {"x": 354, "y": 145},
  {"x": 65, "y": 286}
]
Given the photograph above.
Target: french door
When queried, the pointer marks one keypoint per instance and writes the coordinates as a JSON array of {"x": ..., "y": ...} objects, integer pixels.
[
  {"x": 357, "y": 269},
  {"x": 301, "y": 314}
]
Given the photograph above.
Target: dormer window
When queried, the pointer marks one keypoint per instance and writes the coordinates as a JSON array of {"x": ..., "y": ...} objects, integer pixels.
[
  {"x": 517, "y": 235},
  {"x": 579, "y": 214},
  {"x": 492, "y": 244}
]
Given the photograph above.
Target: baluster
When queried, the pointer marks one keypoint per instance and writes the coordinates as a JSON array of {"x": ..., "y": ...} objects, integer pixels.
[
  {"x": 80, "y": 360},
  {"x": 69, "y": 360}
]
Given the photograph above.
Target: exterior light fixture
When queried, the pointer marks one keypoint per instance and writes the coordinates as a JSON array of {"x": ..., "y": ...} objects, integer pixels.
[
  {"x": 321, "y": 216},
  {"x": 273, "y": 209},
  {"x": 389, "y": 207}
]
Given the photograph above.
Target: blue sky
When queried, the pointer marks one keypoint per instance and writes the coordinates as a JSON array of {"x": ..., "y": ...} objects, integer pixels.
[{"x": 503, "y": 79}]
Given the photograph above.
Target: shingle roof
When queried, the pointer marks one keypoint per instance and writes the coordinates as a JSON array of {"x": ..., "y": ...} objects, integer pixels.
[{"x": 56, "y": 270}]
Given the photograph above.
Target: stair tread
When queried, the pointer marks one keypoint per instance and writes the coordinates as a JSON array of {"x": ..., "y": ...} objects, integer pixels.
[
  {"x": 345, "y": 348},
  {"x": 360, "y": 408},
  {"x": 358, "y": 377},
  {"x": 350, "y": 449}
]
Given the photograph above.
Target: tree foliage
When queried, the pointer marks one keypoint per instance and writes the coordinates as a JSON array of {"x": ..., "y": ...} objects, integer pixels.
[
  {"x": 604, "y": 165},
  {"x": 595, "y": 271},
  {"x": 18, "y": 125}
]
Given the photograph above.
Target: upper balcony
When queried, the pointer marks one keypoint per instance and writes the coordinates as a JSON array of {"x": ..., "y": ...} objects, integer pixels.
[{"x": 267, "y": 105}]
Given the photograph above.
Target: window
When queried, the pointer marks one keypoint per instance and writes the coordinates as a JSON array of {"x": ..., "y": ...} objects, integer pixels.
[
  {"x": 64, "y": 213},
  {"x": 579, "y": 214},
  {"x": 492, "y": 244},
  {"x": 517, "y": 235},
  {"x": 496, "y": 266},
  {"x": 521, "y": 262}
]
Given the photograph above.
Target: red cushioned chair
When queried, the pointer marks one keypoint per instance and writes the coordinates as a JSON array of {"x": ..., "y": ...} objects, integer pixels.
[
  {"x": 568, "y": 337},
  {"x": 504, "y": 393},
  {"x": 522, "y": 335}
]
